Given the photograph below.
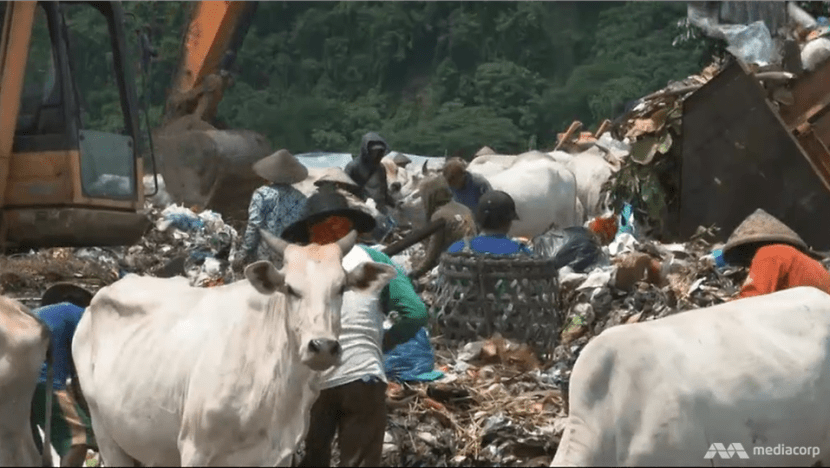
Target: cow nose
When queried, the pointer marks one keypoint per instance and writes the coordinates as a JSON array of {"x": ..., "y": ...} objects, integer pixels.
[
  {"x": 396, "y": 187},
  {"x": 331, "y": 347}
]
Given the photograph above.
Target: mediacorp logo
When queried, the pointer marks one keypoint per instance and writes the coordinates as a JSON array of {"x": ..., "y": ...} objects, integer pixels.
[
  {"x": 733, "y": 449},
  {"x": 738, "y": 449}
]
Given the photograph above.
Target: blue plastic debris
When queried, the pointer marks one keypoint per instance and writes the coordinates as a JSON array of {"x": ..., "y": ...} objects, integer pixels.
[
  {"x": 626, "y": 220},
  {"x": 719, "y": 260},
  {"x": 413, "y": 361},
  {"x": 184, "y": 222}
]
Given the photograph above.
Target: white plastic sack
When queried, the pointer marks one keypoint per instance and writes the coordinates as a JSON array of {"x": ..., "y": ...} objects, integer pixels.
[
  {"x": 815, "y": 53},
  {"x": 623, "y": 243}
]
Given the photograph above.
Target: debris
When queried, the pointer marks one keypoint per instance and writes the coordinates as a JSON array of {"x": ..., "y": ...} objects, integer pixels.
[
  {"x": 815, "y": 53},
  {"x": 492, "y": 401}
]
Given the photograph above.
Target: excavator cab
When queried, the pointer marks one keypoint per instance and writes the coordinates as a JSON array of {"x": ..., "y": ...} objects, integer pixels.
[{"x": 70, "y": 162}]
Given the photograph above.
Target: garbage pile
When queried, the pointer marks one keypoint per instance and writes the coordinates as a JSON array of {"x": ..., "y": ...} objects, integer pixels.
[
  {"x": 498, "y": 403},
  {"x": 197, "y": 245},
  {"x": 649, "y": 176},
  {"x": 494, "y": 407}
]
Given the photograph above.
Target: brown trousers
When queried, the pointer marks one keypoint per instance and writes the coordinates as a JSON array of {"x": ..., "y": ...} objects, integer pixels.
[{"x": 357, "y": 412}]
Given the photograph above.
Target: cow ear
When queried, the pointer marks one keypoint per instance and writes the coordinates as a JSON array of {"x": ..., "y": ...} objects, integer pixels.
[
  {"x": 370, "y": 277},
  {"x": 264, "y": 277}
]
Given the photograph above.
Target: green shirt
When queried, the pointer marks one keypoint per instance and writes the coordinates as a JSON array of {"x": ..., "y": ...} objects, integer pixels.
[{"x": 400, "y": 296}]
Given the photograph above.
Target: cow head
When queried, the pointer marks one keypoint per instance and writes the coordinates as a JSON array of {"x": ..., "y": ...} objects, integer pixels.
[
  {"x": 409, "y": 209},
  {"x": 313, "y": 282}
]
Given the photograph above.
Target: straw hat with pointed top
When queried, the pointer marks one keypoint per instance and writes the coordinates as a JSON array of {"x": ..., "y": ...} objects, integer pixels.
[
  {"x": 338, "y": 177},
  {"x": 485, "y": 150},
  {"x": 759, "y": 229},
  {"x": 400, "y": 159},
  {"x": 281, "y": 168}
]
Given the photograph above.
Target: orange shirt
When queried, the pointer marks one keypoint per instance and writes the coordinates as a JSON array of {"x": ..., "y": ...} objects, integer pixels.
[{"x": 778, "y": 266}]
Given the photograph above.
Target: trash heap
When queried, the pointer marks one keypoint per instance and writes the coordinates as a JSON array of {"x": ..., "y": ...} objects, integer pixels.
[
  {"x": 779, "y": 43},
  {"x": 498, "y": 403},
  {"x": 180, "y": 241},
  {"x": 649, "y": 177},
  {"x": 493, "y": 407}
]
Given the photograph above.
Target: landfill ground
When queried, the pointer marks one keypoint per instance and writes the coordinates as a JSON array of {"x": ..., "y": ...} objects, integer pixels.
[{"x": 498, "y": 402}]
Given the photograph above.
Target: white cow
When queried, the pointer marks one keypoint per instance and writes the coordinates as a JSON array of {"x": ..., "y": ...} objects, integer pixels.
[
  {"x": 590, "y": 171},
  {"x": 24, "y": 341},
  {"x": 544, "y": 192},
  {"x": 409, "y": 208},
  {"x": 218, "y": 376},
  {"x": 754, "y": 372}
]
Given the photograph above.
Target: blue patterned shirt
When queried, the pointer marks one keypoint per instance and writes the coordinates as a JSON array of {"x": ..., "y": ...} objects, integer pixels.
[{"x": 273, "y": 208}]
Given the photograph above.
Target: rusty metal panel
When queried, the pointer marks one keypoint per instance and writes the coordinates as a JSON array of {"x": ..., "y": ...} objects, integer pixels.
[
  {"x": 821, "y": 128},
  {"x": 738, "y": 156},
  {"x": 73, "y": 227},
  {"x": 817, "y": 154},
  {"x": 811, "y": 94}
]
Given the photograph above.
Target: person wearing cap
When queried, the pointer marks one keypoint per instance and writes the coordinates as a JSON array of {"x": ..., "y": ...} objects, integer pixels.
[
  {"x": 495, "y": 214},
  {"x": 274, "y": 206},
  {"x": 777, "y": 257},
  {"x": 467, "y": 188},
  {"x": 459, "y": 222},
  {"x": 352, "y": 401},
  {"x": 61, "y": 309},
  {"x": 369, "y": 174}
]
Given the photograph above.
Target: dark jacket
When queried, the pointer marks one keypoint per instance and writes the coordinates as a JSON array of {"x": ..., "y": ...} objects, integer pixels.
[{"x": 370, "y": 175}]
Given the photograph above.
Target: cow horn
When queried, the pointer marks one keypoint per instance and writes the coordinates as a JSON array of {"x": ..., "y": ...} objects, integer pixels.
[
  {"x": 424, "y": 168},
  {"x": 346, "y": 243},
  {"x": 277, "y": 244}
]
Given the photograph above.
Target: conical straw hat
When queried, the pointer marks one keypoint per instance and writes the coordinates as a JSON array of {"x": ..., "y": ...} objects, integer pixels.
[
  {"x": 281, "y": 168},
  {"x": 338, "y": 177},
  {"x": 757, "y": 229}
]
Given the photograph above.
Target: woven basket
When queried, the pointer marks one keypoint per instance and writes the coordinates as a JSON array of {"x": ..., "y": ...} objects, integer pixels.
[{"x": 519, "y": 300}]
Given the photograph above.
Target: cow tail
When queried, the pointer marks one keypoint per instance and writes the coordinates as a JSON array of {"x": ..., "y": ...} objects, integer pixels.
[{"x": 47, "y": 428}]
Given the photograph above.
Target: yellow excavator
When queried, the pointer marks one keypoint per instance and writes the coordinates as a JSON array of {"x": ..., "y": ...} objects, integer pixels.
[{"x": 64, "y": 180}]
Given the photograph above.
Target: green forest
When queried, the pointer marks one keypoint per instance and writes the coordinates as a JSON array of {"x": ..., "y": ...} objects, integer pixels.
[{"x": 433, "y": 78}]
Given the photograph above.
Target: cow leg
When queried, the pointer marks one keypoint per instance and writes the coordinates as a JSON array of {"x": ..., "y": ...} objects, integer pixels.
[
  {"x": 111, "y": 453},
  {"x": 192, "y": 456}
]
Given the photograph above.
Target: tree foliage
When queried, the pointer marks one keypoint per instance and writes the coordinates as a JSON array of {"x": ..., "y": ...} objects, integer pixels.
[{"x": 433, "y": 77}]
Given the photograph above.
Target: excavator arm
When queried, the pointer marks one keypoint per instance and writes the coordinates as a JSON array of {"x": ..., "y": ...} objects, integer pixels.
[
  {"x": 202, "y": 165},
  {"x": 215, "y": 33}
]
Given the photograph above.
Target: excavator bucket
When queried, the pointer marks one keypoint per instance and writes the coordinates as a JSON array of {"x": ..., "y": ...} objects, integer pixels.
[{"x": 210, "y": 168}]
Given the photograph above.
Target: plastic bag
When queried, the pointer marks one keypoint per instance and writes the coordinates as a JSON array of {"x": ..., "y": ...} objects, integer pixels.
[
  {"x": 751, "y": 43},
  {"x": 576, "y": 247},
  {"x": 180, "y": 218},
  {"x": 412, "y": 361}
]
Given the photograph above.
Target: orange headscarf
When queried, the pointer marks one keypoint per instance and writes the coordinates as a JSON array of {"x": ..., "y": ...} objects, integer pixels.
[{"x": 329, "y": 230}]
